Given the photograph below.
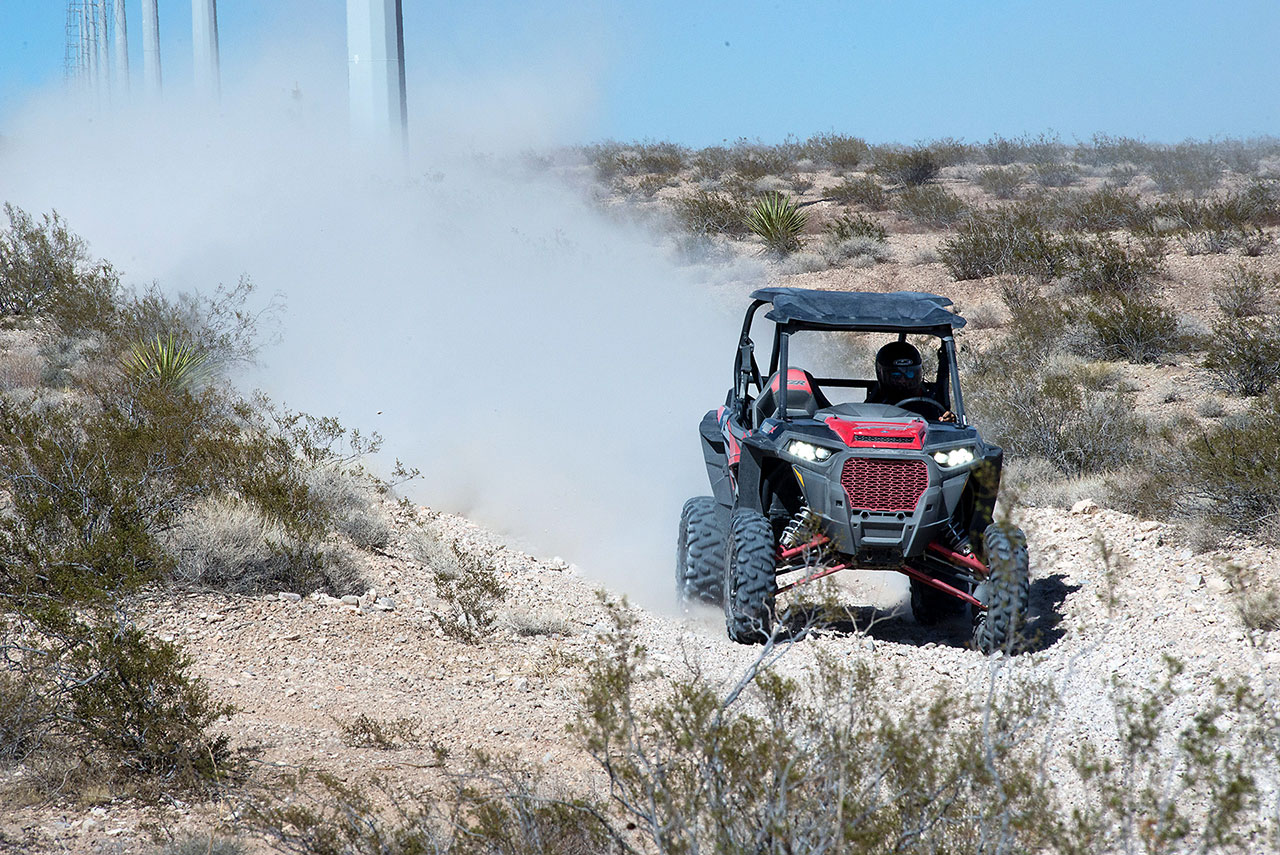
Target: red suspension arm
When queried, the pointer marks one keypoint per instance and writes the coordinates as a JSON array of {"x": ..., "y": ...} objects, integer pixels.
[{"x": 941, "y": 585}]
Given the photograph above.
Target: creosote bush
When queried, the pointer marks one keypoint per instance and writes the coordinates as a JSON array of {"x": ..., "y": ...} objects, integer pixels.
[
  {"x": 100, "y": 484},
  {"x": 930, "y": 204},
  {"x": 711, "y": 213},
  {"x": 1243, "y": 353},
  {"x": 864, "y": 191},
  {"x": 470, "y": 588},
  {"x": 910, "y": 167},
  {"x": 1003, "y": 182},
  {"x": 1132, "y": 328}
]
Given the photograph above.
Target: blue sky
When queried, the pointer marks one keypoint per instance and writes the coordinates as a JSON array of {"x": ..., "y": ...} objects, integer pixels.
[{"x": 703, "y": 72}]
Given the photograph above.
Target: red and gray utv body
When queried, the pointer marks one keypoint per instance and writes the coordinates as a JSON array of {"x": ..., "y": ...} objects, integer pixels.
[{"x": 803, "y": 487}]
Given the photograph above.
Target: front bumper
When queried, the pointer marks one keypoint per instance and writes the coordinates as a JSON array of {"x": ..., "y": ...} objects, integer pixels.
[{"x": 882, "y": 508}]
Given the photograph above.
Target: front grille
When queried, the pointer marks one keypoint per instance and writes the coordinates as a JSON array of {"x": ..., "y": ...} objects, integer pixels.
[
  {"x": 862, "y": 437},
  {"x": 884, "y": 485}
]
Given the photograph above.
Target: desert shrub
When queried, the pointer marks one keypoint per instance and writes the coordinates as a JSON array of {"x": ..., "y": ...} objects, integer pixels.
[
  {"x": 134, "y": 698},
  {"x": 819, "y": 763},
  {"x": 1132, "y": 328},
  {"x": 848, "y": 226},
  {"x": 755, "y": 160},
  {"x": 496, "y": 807},
  {"x": 1008, "y": 241},
  {"x": 838, "y": 150},
  {"x": 1106, "y": 150},
  {"x": 949, "y": 151},
  {"x": 930, "y": 204},
  {"x": 208, "y": 844},
  {"x": 1100, "y": 264},
  {"x": 1256, "y": 597},
  {"x": 711, "y": 213},
  {"x": 46, "y": 270},
  {"x": 911, "y": 167},
  {"x": 470, "y": 588},
  {"x": 1003, "y": 182},
  {"x": 710, "y": 163},
  {"x": 1208, "y": 242},
  {"x": 861, "y": 251},
  {"x": 1038, "y": 323},
  {"x": 365, "y": 731},
  {"x": 1185, "y": 168},
  {"x": 778, "y": 221},
  {"x": 1241, "y": 292},
  {"x": 1055, "y": 174},
  {"x": 1244, "y": 353},
  {"x": 860, "y": 191},
  {"x": 1224, "y": 472},
  {"x": 1074, "y": 416},
  {"x": 612, "y": 159},
  {"x": 1104, "y": 210}
]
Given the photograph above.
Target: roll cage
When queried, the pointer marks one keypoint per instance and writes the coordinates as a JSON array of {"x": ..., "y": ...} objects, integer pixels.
[{"x": 903, "y": 313}]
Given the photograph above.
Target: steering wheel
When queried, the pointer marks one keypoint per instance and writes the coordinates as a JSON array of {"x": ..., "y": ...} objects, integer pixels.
[{"x": 941, "y": 410}]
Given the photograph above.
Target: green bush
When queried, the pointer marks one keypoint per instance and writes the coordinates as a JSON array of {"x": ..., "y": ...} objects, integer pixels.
[
  {"x": 1132, "y": 328},
  {"x": 860, "y": 191},
  {"x": 911, "y": 167},
  {"x": 1075, "y": 416},
  {"x": 838, "y": 150},
  {"x": 1104, "y": 210},
  {"x": 1012, "y": 241},
  {"x": 848, "y": 226},
  {"x": 707, "y": 213},
  {"x": 755, "y": 160},
  {"x": 1003, "y": 182},
  {"x": 1244, "y": 353},
  {"x": 778, "y": 221},
  {"x": 46, "y": 270},
  {"x": 1100, "y": 264},
  {"x": 612, "y": 159},
  {"x": 930, "y": 204},
  {"x": 1055, "y": 174},
  {"x": 1242, "y": 292}
]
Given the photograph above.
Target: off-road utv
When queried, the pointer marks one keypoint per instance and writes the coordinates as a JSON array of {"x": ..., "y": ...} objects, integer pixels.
[{"x": 803, "y": 487}]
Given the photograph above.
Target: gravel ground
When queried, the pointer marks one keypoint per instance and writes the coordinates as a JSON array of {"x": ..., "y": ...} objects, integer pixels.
[{"x": 297, "y": 668}]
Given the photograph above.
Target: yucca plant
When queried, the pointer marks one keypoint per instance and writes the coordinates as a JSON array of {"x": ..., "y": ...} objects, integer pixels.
[
  {"x": 166, "y": 361},
  {"x": 778, "y": 221}
]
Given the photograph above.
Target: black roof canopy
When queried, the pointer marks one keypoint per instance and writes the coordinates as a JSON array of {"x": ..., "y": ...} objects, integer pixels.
[{"x": 869, "y": 311}]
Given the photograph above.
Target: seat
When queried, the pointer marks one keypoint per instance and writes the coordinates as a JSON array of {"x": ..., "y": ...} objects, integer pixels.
[{"x": 804, "y": 398}]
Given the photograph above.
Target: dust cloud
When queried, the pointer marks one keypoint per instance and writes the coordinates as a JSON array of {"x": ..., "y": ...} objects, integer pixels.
[{"x": 543, "y": 362}]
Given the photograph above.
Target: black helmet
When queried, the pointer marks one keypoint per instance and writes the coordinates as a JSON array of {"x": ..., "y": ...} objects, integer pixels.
[{"x": 898, "y": 367}]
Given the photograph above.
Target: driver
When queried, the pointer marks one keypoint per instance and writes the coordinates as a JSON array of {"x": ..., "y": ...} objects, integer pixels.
[{"x": 900, "y": 376}]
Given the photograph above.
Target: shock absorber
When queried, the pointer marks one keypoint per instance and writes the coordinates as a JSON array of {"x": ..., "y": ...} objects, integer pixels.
[
  {"x": 955, "y": 538},
  {"x": 802, "y": 524}
]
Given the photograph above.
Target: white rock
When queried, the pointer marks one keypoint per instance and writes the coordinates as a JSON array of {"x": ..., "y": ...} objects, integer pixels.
[
  {"x": 386, "y": 604},
  {"x": 1217, "y": 585},
  {"x": 1085, "y": 506},
  {"x": 351, "y": 600},
  {"x": 1149, "y": 525},
  {"x": 290, "y": 597}
]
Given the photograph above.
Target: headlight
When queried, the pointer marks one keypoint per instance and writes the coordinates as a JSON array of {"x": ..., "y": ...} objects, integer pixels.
[
  {"x": 954, "y": 457},
  {"x": 808, "y": 451}
]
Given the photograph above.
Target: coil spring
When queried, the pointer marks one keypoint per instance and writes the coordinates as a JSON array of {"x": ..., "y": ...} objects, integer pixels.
[
  {"x": 791, "y": 534},
  {"x": 955, "y": 538}
]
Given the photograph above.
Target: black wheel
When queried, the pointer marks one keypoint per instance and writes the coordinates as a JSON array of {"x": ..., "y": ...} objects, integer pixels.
[
  {"x": 700, "y": 553},
  {"x": 749, "y": 578},
  {"x": 1006, "y": 592},
  {"x": 930, "y": 606}
]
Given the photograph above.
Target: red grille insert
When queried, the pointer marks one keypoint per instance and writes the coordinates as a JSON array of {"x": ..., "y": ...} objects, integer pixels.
[{"x": 884, "y": 485}]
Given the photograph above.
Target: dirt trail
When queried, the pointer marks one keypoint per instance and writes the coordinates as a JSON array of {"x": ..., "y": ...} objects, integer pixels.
[{"x": 295, "y": 668}]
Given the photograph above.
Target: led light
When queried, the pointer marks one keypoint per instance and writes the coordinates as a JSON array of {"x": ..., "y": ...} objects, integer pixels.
[
  {"x": 954, "y": 457},
  {"x": 808, "y": 451}
]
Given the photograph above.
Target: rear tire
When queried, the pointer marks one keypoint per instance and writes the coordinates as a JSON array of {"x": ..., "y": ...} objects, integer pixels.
[
  {"x": 750, "y": 578},
  {"x": 1008, "y": 590},
  {"x": 700, "y": 553},
  {"x": 930, "y": 606}
]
